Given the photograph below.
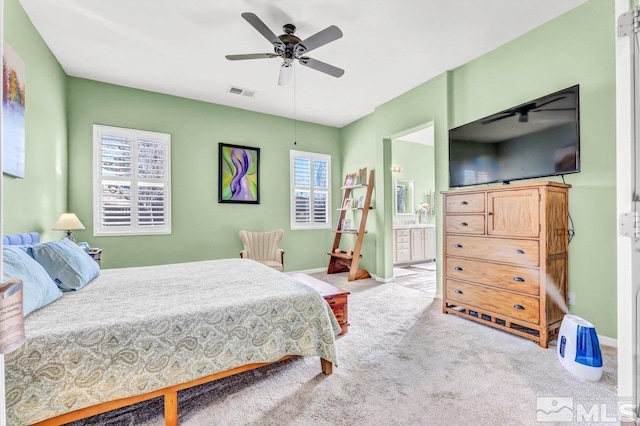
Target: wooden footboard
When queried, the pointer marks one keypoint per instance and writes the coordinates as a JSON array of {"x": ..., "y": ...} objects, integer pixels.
[{"x": 170, "y": 395}]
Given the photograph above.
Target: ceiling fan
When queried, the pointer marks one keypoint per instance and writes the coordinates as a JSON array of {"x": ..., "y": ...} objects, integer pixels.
[
  {"x": 289, "y": 47},
  {"x": 525, "y": 109}
]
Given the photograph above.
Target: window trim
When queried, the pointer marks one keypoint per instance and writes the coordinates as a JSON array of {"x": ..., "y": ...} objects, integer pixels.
[
  {"x": 134, "y": 228},
  {"x": 295, "y": 226}
]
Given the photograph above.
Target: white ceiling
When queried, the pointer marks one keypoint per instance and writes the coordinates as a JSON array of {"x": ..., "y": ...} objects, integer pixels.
[{"x": 178, "y": 47}]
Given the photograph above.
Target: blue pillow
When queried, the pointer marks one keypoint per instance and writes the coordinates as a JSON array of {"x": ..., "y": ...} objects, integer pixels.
[
  {"x": 65, "y": 261},
  {"x": 38, "y": 289}
]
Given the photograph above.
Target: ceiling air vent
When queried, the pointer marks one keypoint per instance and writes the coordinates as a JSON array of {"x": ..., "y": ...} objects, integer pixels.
[{"x": 240, "y": 91}]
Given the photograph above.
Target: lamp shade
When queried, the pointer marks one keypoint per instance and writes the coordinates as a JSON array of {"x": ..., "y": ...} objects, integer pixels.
[{"x": 68, "y": 222}]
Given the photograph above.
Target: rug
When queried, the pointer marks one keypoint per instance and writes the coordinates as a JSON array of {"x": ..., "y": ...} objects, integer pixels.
[
  {"x": 401, "y": 272},
  {"x": 429, "y": 266},
  {"x": 403, "y": 362}
]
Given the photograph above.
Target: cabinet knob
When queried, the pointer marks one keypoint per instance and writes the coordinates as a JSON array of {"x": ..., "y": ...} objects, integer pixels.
[
  {"x": 519, "y": 279},
  {"x": 519, "y": 307},
  {"x": 489, "y": 213},
  {"x": 464, "y": 203},
  {"x": 464, "y": 224},
  {"x": 458, "y": 268},
  {"x": 458, "y": 245},
  {"x": 459, "y": 292},
  {"x": 518, "y": 251}
]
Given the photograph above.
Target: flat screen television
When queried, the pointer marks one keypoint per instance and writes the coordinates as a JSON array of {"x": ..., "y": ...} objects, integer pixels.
[{"x": 536, "y": 139}]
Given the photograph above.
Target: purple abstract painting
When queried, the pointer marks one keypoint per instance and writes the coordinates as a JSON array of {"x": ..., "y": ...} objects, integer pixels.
[{"x": 238, "y": 174}]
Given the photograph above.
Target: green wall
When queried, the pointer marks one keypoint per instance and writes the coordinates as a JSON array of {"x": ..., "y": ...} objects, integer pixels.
[
  {"x": 576, "y": 48},
  {"x": 201, "y": 227},
  {"x": 35, "y": 202}
]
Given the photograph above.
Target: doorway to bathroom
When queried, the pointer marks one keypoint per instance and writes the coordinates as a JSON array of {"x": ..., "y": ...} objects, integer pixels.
[{"x": 413, "y": 195}]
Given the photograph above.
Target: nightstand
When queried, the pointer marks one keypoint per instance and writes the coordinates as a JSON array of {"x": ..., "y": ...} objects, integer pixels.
[{"x": 96, "y": 253}]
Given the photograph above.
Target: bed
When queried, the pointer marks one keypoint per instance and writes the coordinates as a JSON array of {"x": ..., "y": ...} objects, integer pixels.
[{"x": 137, "y": 333}]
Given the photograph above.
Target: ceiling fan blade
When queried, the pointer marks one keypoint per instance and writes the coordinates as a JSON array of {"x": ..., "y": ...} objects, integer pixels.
[
  {"x": 321, "y": 66},
  {"x": 251, "y": 56},
  {"x": 491, "y": 120},
  {"x": 320, "y": 38},
  {"x": 285, "y": 73},
  {"x": 262, "y": 28}
]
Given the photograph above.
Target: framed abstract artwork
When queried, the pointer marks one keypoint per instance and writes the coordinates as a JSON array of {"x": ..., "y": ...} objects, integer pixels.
[
  {"x": 13, "y": 102},
  {"x": 238, "y": 174}
]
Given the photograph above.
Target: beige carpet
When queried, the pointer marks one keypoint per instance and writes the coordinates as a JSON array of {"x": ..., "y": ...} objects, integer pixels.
[{"x": 403, "y": 362}]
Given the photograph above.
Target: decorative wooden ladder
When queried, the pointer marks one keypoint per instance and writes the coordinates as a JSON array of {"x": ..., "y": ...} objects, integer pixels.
[{"x": 343, "y": 261}]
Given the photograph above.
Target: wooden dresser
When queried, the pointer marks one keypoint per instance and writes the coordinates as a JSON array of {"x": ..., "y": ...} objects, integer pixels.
[{"x": 504, "y": 246}]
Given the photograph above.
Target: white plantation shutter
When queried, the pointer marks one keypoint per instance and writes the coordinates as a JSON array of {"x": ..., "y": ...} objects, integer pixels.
[
  {"x": 131, "y": 182},
  {"x": 310, "y": 190}
]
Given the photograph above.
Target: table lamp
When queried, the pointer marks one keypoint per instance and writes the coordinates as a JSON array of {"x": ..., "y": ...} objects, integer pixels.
[{"x": 68, "y": 222}]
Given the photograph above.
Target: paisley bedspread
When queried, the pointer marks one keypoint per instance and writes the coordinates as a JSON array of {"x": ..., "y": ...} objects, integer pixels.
[{"x": 135, "y": 330}]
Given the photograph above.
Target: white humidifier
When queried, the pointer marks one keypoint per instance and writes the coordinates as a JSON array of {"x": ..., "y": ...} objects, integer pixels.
[{"x": 579, "y": 349}]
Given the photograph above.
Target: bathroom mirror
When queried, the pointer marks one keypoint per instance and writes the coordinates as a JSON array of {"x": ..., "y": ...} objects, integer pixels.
[{"x": 404, "y": 197}]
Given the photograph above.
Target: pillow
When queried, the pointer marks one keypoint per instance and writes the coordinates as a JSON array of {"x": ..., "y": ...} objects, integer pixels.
[
  {"x": 69, "y": 266},
  {"x": 38, "y": 289}
]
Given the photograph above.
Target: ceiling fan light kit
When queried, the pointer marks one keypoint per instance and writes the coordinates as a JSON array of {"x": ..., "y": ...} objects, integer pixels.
[{"x": 290, "y": 47}]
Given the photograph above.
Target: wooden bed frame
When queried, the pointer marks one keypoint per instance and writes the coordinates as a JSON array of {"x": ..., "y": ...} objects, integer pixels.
[{"x": 170, "y": 395}]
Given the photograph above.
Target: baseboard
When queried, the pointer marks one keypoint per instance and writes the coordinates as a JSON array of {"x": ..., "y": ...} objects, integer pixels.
[
  {"x": 381, "y": 280},
  {"x": 608, "y": 341},
  {"x": 307, "y": 271}
]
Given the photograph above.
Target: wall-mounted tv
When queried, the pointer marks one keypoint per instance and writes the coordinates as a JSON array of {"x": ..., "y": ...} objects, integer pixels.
[{"x": 536, "y": 139}]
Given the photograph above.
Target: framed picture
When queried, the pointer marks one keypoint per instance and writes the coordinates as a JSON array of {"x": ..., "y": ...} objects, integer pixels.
[
  {"x": 238, "y": 174},
  {"x": 362, "y": 176},
  {"x": 350, "y": 179},
  {"x": 346, "y": 224},
  {"x": 347, "y": 204},
  {"x": 13, "y": 110},
  {"x": 360, "y": 203}
]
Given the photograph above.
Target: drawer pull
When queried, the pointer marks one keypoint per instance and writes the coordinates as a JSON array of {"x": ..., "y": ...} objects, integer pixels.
[
  {"x": 333, "y": 302},
  {"x": 464, "y": 224},
  {"x": 458, "y": 245},
  {"x": 519, "y": 279},
  {"x": 518, "y": 251},
  {"x": 458, "y": 268},
  {"x": 519, "y": 307},
  {"x": 458, "y": 291},
  {"x": 489, "y": 213},
  {"x": 464, "y": 203}
]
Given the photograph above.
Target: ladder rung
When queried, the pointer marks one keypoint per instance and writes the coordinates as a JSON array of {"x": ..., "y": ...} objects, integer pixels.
[{"x": 342, "y": 255}]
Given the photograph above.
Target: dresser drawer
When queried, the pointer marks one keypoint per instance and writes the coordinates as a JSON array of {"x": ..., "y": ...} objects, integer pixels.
[
  {"x": 402, "y": 232},
  {"x": 465, "y": 224},
  {"x": 517, "y": 306},
  {"x": 515, "y": 278},
  {"x": 465, "y": 203},
  {"x": 519, "y": 252}
]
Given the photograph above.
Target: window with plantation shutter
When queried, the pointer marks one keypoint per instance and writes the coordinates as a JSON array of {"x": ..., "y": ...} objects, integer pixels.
[
  {"x": 132, "y": 182},
  {"x": 310, "y": 190}
]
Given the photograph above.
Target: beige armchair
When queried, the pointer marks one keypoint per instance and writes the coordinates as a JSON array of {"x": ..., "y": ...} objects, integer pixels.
[{"x": 263, "y": 247}]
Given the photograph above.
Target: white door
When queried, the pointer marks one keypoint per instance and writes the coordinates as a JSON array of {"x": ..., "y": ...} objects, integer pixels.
[{"x": 628, "y": 206}]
